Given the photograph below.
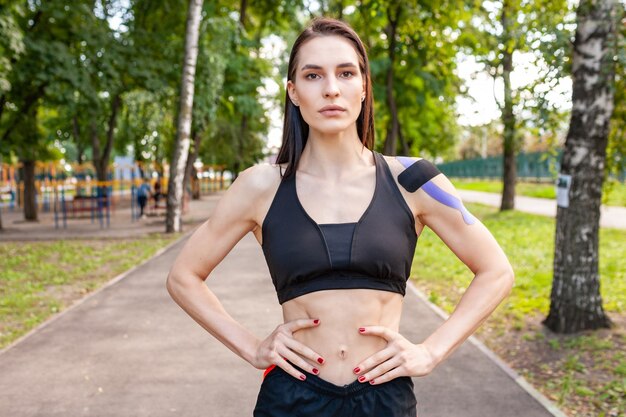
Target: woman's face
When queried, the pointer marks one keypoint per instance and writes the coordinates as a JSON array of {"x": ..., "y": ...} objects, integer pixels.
[{"x": 327, "y": 73}]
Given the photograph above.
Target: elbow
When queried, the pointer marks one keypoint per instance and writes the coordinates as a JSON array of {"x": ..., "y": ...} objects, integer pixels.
[
  {"x": 507, "y": 276},
  {"x": 170, "y": 283},
  {"x": 173, "y": 283},
  {"x": 178, "y": 282}
]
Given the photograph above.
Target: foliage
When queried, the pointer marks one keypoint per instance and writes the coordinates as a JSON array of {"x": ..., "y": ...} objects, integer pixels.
[
  {"x": 616, "y": 148},
  {"x": 541, "y": 31},
  {"x": 11, "y": 41},
  {"x": 70, "y": 63},
  {"x": 425, "y": 84}
]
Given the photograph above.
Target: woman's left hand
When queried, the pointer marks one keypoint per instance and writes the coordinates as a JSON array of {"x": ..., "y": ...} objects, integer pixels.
[{"x": 399, "y": 358}]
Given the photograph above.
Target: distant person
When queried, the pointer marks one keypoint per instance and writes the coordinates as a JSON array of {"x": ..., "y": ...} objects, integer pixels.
[
  {"x": 157, "y": 192},
  {"x": 143, "y": 193}
]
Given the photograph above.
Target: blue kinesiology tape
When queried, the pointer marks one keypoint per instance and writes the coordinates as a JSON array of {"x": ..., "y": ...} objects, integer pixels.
[{"x": 418, "y": 174}]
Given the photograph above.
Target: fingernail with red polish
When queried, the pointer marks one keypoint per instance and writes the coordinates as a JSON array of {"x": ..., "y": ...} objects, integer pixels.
[
  {"x": 372, "y": 381},
  {"x": 361, "y": 378},
  {"x": 357, "y": 370},
  {"x": 316, "y": 321},
  {"x": 315, "y": 371},
  {"x": 320, "y": 360},
  {"x": 302, "y": 377},
  {"x": 361, "y": 329}
]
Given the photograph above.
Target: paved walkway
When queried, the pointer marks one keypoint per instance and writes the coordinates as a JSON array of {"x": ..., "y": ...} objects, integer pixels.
[
  {"x": 129, "y": 350},
  {"x": 610, "y": 216}
]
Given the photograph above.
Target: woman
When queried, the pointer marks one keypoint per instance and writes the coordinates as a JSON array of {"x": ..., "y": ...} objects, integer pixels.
[{"x": 339, "y": 247}]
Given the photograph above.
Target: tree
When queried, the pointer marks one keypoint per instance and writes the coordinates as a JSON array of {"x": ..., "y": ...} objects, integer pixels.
[
  {"x": 500, "y": 32},
  {"x": 173, "y": 220},
  {"x": 11, "y": 46},
  {"x": 576, "y": 303},
  {"x": 35, "y": 78},
  {"x": 411, "y": 48}
]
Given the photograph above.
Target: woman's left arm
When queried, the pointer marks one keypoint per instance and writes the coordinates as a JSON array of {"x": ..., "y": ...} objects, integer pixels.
[{"x": 442, "y": 211}]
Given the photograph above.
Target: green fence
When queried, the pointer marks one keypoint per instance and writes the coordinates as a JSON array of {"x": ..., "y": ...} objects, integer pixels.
[{"x": 535, "y": 166}]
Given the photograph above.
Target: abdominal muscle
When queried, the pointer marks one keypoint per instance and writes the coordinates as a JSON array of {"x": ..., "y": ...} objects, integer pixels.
[{"x": 337, "y": 338}]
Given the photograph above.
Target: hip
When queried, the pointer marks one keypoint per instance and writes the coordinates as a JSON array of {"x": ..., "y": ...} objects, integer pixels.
[{"x": 281, "y": 395}]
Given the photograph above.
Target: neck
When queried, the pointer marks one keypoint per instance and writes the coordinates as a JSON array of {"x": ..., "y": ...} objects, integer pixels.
[{"x": 334, "y": 156}]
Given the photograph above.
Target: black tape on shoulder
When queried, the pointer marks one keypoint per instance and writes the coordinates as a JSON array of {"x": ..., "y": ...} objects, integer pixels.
[{"x": 417, "y": 175}]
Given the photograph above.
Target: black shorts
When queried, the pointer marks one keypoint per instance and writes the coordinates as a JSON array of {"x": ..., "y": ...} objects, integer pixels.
[{"x": 282, "y": 395}]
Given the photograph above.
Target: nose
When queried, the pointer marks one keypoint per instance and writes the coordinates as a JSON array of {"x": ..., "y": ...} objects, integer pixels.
[{"x": 331, "y": 89}]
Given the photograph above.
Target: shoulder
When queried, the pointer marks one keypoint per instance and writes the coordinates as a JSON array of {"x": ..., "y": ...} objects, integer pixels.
[
  {"x": 256, "y": 178},
  {"x": 411, "y": 172},
  {"x": 400, "y": 162},
  {"x": 428, "y": 189},
  {"x": 257, "y": 181}
]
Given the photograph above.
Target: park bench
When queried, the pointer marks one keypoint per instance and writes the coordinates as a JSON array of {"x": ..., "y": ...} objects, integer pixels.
[{"x": 86, "y": 204}]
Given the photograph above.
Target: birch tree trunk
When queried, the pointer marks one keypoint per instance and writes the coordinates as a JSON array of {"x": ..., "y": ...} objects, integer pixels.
[
  {"x": 576, "y": 303},
  {"x": 173, "y": 220}
]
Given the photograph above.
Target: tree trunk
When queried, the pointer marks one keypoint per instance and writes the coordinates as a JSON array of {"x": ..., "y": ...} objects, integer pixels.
[
  {"x": 101, "y": 156},
  {"x": 394, "y": 125},
  {"x": 406, "y": 147},
  {"x": 190, "y": 171},
  {"x": 173, "y": 220},
  {"x": 575, "y": 301},
  {"x": 30, "y": 191},
  {"x": 80, "y": 147},
  {"x": 243, "y": 8},
  {"x": 238, "y": 164},
  {"x": 509, "y": 169}
]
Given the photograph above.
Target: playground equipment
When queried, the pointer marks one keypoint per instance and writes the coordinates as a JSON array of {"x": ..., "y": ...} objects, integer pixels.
[{"x": 71, "y": 192}]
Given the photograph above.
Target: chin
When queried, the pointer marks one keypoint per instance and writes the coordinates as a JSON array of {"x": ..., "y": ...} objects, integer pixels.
[
  {"x": 331, "y": 131},
  {"x": 331, "y": 127}
]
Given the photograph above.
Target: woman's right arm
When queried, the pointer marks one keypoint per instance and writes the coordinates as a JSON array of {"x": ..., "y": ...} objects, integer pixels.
[{"x": 231, "y": 220}]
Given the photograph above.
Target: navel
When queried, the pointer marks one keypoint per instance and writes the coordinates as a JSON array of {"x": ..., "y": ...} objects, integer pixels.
[{"x": 343, "y": 351}]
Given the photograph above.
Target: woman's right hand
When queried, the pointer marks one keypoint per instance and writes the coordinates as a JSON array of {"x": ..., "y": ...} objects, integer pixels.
[{"x": 280, "y": 346}]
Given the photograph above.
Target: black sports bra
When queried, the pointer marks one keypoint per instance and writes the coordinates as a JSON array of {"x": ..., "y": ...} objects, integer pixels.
[{"x": 376, "y": 252}]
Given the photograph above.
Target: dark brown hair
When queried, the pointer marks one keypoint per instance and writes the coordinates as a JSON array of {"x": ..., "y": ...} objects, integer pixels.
[{"x": 295, "y": 129}]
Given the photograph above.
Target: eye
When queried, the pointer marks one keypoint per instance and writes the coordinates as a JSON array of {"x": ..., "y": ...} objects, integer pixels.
[
  {"x": 350, "y": 74},
  {"x": 307, "y": 76}
]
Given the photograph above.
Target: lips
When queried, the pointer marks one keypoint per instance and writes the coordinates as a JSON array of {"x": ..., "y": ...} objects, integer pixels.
[
  {"x": 332, "y": 110},
  {"x": 331, "y": 107}
]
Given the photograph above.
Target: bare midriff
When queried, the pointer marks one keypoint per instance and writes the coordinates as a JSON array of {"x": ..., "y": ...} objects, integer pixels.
[{"x": 337, "y": 338}]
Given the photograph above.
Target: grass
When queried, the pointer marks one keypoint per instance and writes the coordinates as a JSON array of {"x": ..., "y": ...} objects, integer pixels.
[
  {"x": 566, "y": 368},
  {"x": 613, "y": 193},
  {"x": 40, "y": 279}
]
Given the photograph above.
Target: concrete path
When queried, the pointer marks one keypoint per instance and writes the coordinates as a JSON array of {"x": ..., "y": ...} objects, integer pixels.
[
  {"x": 610, "y": 216},
  {"x": 129, "y": 350}
]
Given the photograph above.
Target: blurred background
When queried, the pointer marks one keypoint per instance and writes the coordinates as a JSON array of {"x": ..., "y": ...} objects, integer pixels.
[{"x": 92, "y": 106}]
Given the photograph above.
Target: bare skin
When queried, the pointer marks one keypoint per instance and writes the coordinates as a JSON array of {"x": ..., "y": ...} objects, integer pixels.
[
  {"x": 335, "y": 183},
  {"x": 341, "y": 312}
]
